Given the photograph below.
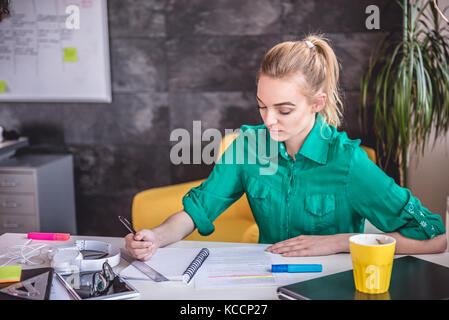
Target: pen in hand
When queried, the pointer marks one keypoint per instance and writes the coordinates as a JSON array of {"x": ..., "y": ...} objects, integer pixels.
[{"x": 128, "y": 225}]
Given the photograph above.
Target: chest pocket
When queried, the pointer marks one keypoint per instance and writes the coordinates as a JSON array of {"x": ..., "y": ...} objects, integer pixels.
[
  {"x": 320, "y": 217},
  {"x": 320, "y": 204},
  {"x": 257, "y": 190}
]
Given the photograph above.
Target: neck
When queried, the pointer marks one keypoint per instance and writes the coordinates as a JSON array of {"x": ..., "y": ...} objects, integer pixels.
[{"x": 294, "y": 144}]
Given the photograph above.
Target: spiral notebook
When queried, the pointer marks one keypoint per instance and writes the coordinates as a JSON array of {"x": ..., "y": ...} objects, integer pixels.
[{"x": 177, "y": 264}]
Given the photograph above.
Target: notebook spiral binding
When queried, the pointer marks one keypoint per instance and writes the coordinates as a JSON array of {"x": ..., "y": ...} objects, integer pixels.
[{"x": 195, "y": 265}]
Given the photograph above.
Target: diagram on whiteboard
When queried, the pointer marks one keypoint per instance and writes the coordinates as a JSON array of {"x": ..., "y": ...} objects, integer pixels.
[{"x": 55, "y": 51}]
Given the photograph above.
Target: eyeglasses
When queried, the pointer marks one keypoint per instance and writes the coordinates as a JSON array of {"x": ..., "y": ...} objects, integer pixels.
[
  {"x": 101, "y": 281},
  {"x": 91, "y": 284},
  {"x": 94, "y": 284}
]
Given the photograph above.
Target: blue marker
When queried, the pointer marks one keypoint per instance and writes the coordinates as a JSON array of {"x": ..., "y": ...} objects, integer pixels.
[{"x": 296, "y": 268}]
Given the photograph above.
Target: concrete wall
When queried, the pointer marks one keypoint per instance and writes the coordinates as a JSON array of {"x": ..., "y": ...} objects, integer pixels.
[{"x": 176, "y": 61}]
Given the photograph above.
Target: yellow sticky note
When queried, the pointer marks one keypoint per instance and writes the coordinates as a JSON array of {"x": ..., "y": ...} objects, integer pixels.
[
  {"x": 70, "y": 54},
  {"x": 2, "y": 86},
  {"x": 10, "y": 273}
]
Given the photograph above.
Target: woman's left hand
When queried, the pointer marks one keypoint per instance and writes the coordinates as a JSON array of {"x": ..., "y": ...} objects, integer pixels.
[{"x": 303, "y": 246}]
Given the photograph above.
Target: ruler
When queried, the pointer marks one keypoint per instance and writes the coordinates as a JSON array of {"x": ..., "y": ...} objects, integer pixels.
[{"x": 142, "y": 267}]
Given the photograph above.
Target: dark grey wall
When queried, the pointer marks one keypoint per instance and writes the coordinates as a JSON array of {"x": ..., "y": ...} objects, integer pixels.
[{"x": 173, "y": 62}]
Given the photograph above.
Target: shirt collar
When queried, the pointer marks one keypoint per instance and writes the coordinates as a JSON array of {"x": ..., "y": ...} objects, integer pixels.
[{"x": 316, "y": 145}]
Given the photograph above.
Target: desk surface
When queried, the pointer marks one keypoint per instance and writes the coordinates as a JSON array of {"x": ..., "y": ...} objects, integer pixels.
[{"x": 175, "y": 290}]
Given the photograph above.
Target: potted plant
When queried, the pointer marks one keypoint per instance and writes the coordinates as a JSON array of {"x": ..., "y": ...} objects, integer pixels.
[
  {"x": 4, "y": 9},
  {"x": 409, "y": 77}
]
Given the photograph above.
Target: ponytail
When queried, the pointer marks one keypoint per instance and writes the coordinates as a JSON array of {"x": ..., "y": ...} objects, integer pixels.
[{"x": 314, "y": 64}]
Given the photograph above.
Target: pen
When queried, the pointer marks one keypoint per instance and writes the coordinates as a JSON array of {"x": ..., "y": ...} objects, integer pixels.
[
  {"x": 127, "y": 225},
  {"x": 278, "y": 268}
]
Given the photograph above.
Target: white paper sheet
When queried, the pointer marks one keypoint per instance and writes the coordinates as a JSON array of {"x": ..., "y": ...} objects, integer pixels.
[{"x": 236, "y": 266}]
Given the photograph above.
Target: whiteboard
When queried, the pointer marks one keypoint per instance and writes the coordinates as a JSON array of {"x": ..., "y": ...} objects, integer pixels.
[{"x": 46, "y": 56}]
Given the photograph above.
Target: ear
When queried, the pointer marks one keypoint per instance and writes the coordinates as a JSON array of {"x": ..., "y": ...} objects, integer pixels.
[{"x": 320, "y": 102}]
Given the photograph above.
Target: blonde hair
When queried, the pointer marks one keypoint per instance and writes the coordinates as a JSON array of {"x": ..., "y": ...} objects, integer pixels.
[{"x": 313, "y": 63}]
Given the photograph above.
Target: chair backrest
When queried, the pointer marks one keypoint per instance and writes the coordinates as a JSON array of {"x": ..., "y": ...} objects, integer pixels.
[
  {"x": 370, "y": 152},
  {"x": 225, "y": 142}
]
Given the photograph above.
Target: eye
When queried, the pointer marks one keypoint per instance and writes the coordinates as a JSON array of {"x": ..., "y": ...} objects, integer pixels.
[
  {"x": 284, "y": 112},
  {"x": 261, "y": 108}
]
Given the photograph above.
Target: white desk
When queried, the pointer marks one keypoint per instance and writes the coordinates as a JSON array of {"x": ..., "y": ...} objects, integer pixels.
[{"x": 177, "y": 291}]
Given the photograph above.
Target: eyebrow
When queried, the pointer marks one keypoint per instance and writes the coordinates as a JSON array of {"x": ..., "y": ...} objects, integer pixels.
[{"x": 286, "y": 103}]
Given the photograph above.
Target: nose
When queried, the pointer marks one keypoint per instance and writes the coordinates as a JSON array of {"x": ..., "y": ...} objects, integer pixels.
[{"x": 270, "y": 118}]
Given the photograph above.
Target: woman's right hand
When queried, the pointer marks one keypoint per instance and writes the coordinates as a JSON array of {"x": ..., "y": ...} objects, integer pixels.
[{"x": 142, "y": 250}]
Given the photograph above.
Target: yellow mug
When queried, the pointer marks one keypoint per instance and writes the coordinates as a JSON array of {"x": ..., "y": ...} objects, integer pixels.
[{"x": 372, "y": 261}]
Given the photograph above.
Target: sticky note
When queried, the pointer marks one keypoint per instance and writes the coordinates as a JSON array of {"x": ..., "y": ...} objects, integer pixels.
[
  {"x": 70, "y": 54},
  {"x": 10, "y": 273},
  {"x": 2, "y": 86}
]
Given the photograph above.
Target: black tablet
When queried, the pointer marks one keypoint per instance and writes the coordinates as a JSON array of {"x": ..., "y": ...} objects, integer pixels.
[{"x": 411, "y": 279}]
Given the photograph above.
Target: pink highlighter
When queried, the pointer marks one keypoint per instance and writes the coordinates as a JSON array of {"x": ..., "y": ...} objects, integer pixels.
[{"x": 49, "y": 236}]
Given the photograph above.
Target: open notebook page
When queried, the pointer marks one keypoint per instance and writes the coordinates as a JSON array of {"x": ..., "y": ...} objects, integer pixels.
[{"x": 170, "y": 262}]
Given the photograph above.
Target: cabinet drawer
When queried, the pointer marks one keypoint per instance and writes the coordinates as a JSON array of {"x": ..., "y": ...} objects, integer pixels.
[
  {"x": 21, "y": 204},
  {"x": 19, "y": 224},
  {"x": 16, "y": 182}
]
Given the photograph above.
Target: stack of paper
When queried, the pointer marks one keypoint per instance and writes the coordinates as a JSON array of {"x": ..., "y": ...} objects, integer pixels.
[{"x": 10, "y": 274}]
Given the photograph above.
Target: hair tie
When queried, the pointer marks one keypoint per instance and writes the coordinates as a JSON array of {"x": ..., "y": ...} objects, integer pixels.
[{"x": 309, "y": 44}]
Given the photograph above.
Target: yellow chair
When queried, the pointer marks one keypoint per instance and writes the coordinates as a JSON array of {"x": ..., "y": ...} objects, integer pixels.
[
  {"x": 151, "y": 207},
  {"x": 370, "y": 153}
]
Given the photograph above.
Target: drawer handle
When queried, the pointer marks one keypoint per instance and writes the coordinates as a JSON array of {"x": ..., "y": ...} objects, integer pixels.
[
  {"x": 8, "y": 184},
  {"x": 10, "y": 204},
  {"x": 11, "y": 225}
]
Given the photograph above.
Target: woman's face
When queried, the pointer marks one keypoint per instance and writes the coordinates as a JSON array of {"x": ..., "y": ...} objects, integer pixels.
[{"x": 284, "y": 110}]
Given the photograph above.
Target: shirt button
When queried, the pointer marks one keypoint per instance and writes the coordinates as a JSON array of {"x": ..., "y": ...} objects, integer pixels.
[{"x": 410, "y": 208}]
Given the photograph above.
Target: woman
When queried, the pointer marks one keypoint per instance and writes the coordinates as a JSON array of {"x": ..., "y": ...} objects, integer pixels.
[{"x": 324, "y": 185}]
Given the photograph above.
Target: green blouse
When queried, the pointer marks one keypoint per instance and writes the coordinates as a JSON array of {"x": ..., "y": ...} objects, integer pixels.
[{"x": 331, "y": 188}]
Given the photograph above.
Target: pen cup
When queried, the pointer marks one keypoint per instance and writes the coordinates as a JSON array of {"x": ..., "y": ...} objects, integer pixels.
[{"x": 372, "y": 261}]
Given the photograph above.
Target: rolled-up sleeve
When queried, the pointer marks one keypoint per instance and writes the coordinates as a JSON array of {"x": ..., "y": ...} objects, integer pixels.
[
  {"x": 219, "y": 191},
  {"x": 375, "y": 196}
]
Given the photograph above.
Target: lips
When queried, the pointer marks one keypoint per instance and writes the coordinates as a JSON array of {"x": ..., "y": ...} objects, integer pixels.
[
  {"x": 275, "y": 134},
  {"x": 274, "y": 130}
]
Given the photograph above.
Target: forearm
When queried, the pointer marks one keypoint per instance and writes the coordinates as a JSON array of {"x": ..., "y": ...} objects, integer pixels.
[
  {"x": 404, "y": 245},
  {"x": 174, "y": 228}
]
